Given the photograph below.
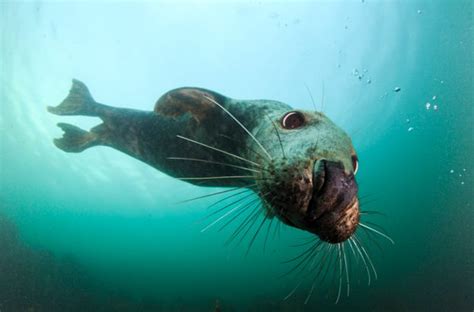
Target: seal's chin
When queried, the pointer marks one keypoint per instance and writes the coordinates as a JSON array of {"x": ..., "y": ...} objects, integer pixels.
[
  {"x": 335, "y": 227},
  {"x": 333, "y": 211}
]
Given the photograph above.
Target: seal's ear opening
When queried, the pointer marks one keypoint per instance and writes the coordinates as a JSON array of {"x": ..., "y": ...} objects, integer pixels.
[{"x": 195, "y": 101}]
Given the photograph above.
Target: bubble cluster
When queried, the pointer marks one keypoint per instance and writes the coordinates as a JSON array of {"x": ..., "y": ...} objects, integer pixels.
[
  {"x": 460, "y": 175},
  {"x": 361, "y": 74},
  {"x": 432, "y": 105}
]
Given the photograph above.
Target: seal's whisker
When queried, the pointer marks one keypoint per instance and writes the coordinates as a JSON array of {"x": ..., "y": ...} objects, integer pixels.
[
  {"x": 311, "y": 96},
  {"x": 372, "y": 212},
  {"x": 278, "y": 136},
  {"x": 366, "y": 201},
  {"x": 373, "y": 239},
  {"x": 296, "y": 287},
  {"x": 363, "y": 259},
  {"x": 244, "y": 224},
  {"x": 346, "y": 267},
  {"x": 303, "y": 253},
  {"x": 334, "y": 271},
  {"x": 248, "y": 148},
  {"x": 313, "y": 263},
  {"x": 311, "y": 240},
  {"x": 322, "y": 97},
  {"x": 228, "y": 205},
  {"x": 292, "y": 291},
  {"x": 367, "y": 196},
  {"x": 230, "y": 196},
  {"x": 378, "y": 232},
  {"x": 218, "y": 193},
  {"x": 267, "y": 234},
  {"x": 375, "y": 226},
  {"x": 220, "y": 218},
  {"x": 328, "y": 254},
  {"x": 353, "y": 251},
  {"x": 310, "y": 252},
  {"x": 251, "y": 224},
  {"x": 217, "y": 150},
  {"x": 339, "y": 257},
  {"x": 310, "y": 293},
  {"x": 332, "y": 249},
  {"x": 279, "y": 229},
  {"x": 250, "y": 219},
  {"x": 241, "y": 125},
  {"x": 256, "y": 234},
  {"x": 366, "y": 255},
  {"x": 322, "y": 264},
  {"x": 213, "y": 162},
  {"x": 278, "y": 224},
  {"x": 245, "y": 208},
  {"x": 215, "y": 178}
]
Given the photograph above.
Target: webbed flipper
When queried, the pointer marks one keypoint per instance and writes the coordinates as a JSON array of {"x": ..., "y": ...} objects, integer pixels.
[
  {"x": 75, "y": 139},
  {"x": 78, "y": 102}
]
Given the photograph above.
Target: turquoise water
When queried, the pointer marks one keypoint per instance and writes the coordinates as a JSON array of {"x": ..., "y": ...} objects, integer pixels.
[{"x": 101, "y": 231}]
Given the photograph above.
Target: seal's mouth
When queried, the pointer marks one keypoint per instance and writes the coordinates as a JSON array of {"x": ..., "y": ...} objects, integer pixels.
[{"x": 333, "y": 211}]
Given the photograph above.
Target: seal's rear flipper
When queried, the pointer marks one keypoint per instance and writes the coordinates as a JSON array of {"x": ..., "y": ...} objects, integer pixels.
[
  {"x": 75, "y": 140},
  {"x": 78, "y": 102}
]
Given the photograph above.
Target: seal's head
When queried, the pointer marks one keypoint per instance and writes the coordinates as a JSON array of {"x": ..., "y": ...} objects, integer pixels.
[
  {"x": 312, "y": 185},
  {"x": 309, "y": 181}
]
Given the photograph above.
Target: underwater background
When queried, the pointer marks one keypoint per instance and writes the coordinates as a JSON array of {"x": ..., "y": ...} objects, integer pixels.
[{"x": 101, "y": 231}]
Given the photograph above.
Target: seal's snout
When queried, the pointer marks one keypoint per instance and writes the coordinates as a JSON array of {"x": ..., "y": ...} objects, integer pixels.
[{"x": 333, "y": 212}]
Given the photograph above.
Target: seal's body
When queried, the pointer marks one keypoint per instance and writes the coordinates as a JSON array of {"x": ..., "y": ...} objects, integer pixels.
[{"x": 300, "y": 163}]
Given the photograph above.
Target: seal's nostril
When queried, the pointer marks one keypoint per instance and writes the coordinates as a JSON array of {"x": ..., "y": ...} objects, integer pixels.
[{"x": 319, "y": 174}]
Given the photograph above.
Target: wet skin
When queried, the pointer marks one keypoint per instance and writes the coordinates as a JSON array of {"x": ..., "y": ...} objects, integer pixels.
[{"x": 300, "y": 163}]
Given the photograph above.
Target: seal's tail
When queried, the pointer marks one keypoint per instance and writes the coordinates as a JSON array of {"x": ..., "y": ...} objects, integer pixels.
[
  {"x": 78, "y": 102},
  {"x": 75, "y": 140}
]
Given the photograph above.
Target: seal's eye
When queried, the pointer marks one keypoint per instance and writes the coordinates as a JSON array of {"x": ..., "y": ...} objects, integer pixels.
[
  {"x": 292, "y": 120},
  {"x": 355, "y": 164}
]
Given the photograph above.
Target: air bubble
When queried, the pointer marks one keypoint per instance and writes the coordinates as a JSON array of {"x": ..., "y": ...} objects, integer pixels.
[
  {"x": 410, "y": 129},
  {"x": 435, "y": 107},
  {"x": 428, "y": 105},
  {"x": 397, "y": 89}
]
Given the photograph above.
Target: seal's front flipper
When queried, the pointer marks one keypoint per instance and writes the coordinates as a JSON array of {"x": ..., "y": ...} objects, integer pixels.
[
  {"x": 75, "y": 140},
  {"x": 78, "y": 102}
]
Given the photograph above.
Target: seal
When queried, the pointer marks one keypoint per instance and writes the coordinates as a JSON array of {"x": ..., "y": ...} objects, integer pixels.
[{"x": 300, "y": 164}]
